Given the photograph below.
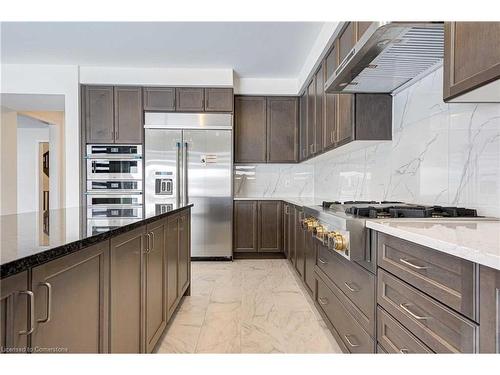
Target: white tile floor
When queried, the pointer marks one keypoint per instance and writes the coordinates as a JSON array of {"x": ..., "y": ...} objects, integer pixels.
[{"x": 247, "y": 306}]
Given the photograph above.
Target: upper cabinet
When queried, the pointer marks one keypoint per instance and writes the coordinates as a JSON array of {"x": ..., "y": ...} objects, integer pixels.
[
  {"x": 346, "y": 40},
  {"x": 189, "y": 99},
  {"x": 159, "y": 99},
  {"x": 266, "y": 129},
  {"x": 320, "y": 114},
  {"x": 112, "y": 114},
  {"x": 303, "y": 143},
  {"x": 219, "y": 100},
  {"x": 471, "y": 62}
]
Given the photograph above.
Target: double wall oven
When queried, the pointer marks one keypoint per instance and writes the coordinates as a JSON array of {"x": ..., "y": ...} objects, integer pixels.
[{"x": 114, "y": 190}]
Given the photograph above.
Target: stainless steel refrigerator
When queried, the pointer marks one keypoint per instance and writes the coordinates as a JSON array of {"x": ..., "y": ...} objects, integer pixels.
[{"x": 188, "y": 159}]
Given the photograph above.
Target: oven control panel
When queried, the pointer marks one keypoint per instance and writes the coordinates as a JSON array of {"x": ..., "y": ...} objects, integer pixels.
[{"x": 336, "y": 240}]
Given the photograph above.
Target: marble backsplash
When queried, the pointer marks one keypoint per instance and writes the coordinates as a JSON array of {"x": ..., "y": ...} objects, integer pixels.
[{"x": 446, "y": 154}]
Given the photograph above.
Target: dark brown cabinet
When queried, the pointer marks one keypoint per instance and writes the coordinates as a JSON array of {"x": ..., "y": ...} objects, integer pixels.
[
  {"x": 250, "y": 129},
  {"x": 184, "y": 252},
  {"x": 311, "y": 117},
  {"x": 245, "y": 226},
  {"x": 155, "y": 277},
  {"x": 289, "y": 213},
  {"x": 112, "y": 114},
  {"x": 127, "y": 292},
  {"x": 303, "y": 142},
  {"x": 159, "y": 99},
  {"x": 471, "y": 60},
  {"x": 270, "y": 224},
  {"x": 189, "y": 99},
  {"x": 299, "y": 242},
  {"x": 282, "y": 129},
  {"x": 71, "y": 301},
  {"x": 128, "y": 115},
  {"x": 219, "y": 100},
  {"x": 309, "y": 260},
  {"x": 320, "y": 107},
  {"x": 346, "y": 40},
  {"x": 489, "y": 311},
  {"x": 98, "y": 111},
  {"x": 15, "y": 301},
  {"x": 361, "y": 27}
]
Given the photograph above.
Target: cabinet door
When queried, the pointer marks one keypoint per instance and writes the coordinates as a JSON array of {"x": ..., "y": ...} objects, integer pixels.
[
  {"x": 286, "y": 233},
  {"x": 127, "y": 293},
  {"x": 320, "y": 98},
  {"x": 245, "y": 226},
  {"x": 98, "y": 107},
  {"x": 330, "y": 124},
  {"x": 311, "y": 116},
  {"x": 345, "y": 123},
  {"x": 128, "y": 115},
  {"x": 299, "y": 243},
  {"x": 172, "y": 263},
  {"x": 71, "y": 301},
  {"x": 309, "y": 260},
  {"x": 304, "y": 148},
  {"x": 361, "y": 27},
  {"x": 373, "y": 117},
  {"x": 471, "y": 57},
  {"x": 489, "y": 313},
  {"x": 189, "y": 99},
  {"x": 219, "y": 100},
  {"x": 159, "y": 99},
  {"x": 270, "y": 226},
  {"x": 282, "y": 129},
  {"x": 15, "y": 300},
  {"x": 347, "y": 39},
  {"x": 155, "y": 277},
  {"x": 250, "y": 129},
  {"x": 184, "y": 252},
  {"x": 290, "y": 224}
]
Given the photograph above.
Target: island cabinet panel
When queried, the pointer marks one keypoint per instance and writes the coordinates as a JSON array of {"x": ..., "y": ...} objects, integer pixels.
[
  {"x": 471, "y": 57},
  {"x": 184, "y": 252},
  {"x": 190, "y": 99},
  {"x": 489, "y": 332},
  {"x": 270, "y": 226},
  {"x": 219, "y": 100},
  {"x": 286, "y": 232},
  {"x": 250, "y": 129},
  {"x": 71, "y": 302},
  {"x": 15, "y": 301},
  {"x": 245, "y": 226},
  {"x": 299, "y": 242},
  {"x": 155, "y": 275},
  {"x": 128, "y": 115},
  {"x": 159, "y": 99},
  {"x": 282, "y": 129},
  {"x": 127, "y": 292},
  {"x": 172, "y": 263},
  {"x": 99, "y": 114},
  {"x": 309, "y": 261}
]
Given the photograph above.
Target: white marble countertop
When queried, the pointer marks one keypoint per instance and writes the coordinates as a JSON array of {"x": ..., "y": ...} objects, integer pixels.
[
  {"x": 474, "y": 240},
  {"x": 298, "y": 201}
]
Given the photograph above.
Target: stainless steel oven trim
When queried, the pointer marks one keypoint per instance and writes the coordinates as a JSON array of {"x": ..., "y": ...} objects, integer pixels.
[
  {"x": 137, "y": 208},
  {"x": 137, "y": 155},
  {"x": 138, "y": 196},
  {"x": 90, "y": 190},
  {"x": 114, "y": 176}
]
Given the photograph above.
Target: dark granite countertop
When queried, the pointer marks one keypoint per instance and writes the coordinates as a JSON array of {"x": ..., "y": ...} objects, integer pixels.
[{"x": 33, "y": 238}]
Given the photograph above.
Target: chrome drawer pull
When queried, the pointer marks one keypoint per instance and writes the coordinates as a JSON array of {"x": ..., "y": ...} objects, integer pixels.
[
  {"x": 31, "y": 298},
  {"x": 348, "y": 285},
  {"x": 404, "y": 306},
  {"x": 323, "y": 300},
  {"x": 350, "y": 342},
  {"x": 404, "y": 261},
  {"x": 322, "y": 261},
  {"x": 49, "y": 303},
  {"x": 403, "y": 351}
]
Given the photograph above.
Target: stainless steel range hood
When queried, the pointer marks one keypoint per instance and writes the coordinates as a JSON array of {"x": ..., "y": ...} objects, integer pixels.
[{"x": 389, "y": 55}]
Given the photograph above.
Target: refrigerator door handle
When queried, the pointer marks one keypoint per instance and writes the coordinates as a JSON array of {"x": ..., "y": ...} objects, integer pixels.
[
  {"x": 178, "y": 173},
  {"x": 185, "y": 171}
]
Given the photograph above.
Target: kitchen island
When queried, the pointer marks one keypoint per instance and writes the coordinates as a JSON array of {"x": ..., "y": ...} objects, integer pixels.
[{"x": 67, "y": 289}]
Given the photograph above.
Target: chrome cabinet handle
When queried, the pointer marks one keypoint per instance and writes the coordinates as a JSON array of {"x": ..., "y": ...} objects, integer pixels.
[
  {"x": 404, "y": 261},
  {"x": 354, "y": 345},
  {"x": 323, "y": 300},
  {"x": 404, "y": 351},
  {"x": 31, "y": 299},
  {"x": 49, "y": 303},
  {"x": 322, "y": 261},
  {"x": 404, "y": 306},
  {"x": 348, "y": 286}
]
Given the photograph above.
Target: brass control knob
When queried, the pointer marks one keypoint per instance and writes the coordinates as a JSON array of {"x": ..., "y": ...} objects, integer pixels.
[
  {"x": 320, "y": 232},
  {"x": 312, "y": 224},
  {"x": 305, "y": 222},
  {"x": 337, "y": 241}
]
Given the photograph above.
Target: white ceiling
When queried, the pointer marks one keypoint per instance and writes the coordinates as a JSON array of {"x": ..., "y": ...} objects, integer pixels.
[
  {"x": 32, "y": 102},
  {"x": 252, "y": 49}
]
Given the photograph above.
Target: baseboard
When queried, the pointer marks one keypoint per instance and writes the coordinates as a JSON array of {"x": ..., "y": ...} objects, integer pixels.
[
  {"x": 212, "y": 259},
  {"x": 259, "y": 256}
]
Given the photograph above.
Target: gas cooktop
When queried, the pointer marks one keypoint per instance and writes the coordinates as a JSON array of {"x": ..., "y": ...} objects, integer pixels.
[{"x": 388, "y": 209}]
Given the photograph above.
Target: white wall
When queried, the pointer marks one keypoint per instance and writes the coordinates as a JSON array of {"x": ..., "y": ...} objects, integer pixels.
[
  {"x": 28, "y": 139},
  {"x": 8, "y": 162},
  {"x": 53, "y": 79}
]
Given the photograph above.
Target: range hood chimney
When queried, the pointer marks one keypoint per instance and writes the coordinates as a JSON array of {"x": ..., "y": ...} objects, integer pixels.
[{"x": 389, "y": 55}]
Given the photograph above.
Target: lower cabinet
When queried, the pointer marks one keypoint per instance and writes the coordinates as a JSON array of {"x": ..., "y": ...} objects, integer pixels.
[
  {"x": 309, "y": 260},
  {"x": 15, "y": 323},
  {"x": 71, "y": 302},
  {"x": 489, "y": 313},
  {"x": 299, "y": 241}
]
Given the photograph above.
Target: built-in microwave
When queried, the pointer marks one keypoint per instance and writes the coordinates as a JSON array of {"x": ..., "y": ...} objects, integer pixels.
[{"x": 110, "y": 169}]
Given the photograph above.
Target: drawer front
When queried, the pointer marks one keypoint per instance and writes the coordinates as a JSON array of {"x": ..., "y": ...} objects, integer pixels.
[
  {"x": 356, "y": 283},
  {"x": 440, "y": 328},
  {"x": 448, "y": 279},
  {"x": 394, "y": 338},
  {"x": 355, "y": 338}
]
